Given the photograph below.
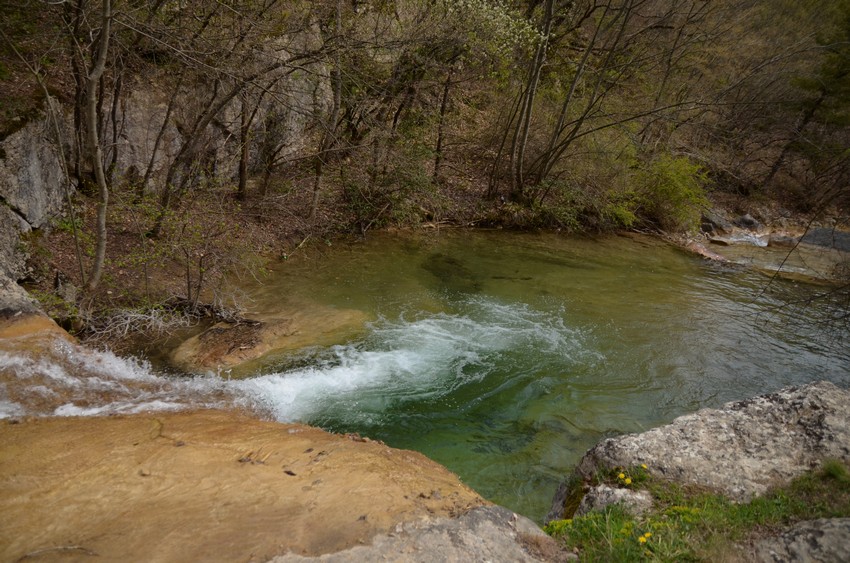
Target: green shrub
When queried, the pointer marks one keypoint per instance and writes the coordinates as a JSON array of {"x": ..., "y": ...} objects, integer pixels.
[{"x": 670, "y": 193}]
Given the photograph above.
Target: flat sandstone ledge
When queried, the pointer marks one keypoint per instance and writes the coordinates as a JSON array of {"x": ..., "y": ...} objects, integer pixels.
[{"x": 207, "y": 486}]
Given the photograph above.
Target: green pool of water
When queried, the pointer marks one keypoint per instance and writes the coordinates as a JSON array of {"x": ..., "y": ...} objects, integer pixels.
[{"x": 505, "y": 356}]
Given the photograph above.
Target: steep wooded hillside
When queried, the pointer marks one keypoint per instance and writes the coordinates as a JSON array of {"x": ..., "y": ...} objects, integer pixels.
[{"x": 181, "y": 120}]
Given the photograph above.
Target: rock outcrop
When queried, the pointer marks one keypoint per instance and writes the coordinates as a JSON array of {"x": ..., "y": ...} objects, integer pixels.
[
  {"x": 33, "y": 181},
  {"x": 487, "y": 533},
  {"x": 31, "y": 177},
  {"x": 739, "y": 450},
  {"x": 826, "y": 540},
  {"x": 239, "y": 345},
  {"x": 218, "y": 486},
  {"x": 600, "y": 496},
  {"x": 31, "y": 194}
]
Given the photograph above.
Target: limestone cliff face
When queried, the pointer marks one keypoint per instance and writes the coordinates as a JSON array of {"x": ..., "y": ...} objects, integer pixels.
[
  {"x": 143, "y": 137},
  {"x": 139, "y": 137},
  {"x": 31, "y": 186}
]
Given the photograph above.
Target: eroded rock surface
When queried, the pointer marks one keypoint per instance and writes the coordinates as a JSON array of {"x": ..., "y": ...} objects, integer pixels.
[
  {"x": 739, "y": 450},
  {"x": 207, "y": 486},
  {"x": 489, "y": 533},
  {"x": 826, "y": 540},
  {"x": 602, "y": 496}
]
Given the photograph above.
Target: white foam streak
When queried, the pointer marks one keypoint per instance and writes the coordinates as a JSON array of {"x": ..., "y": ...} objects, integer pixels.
[
  {"x": 410, "y": 360},
  {"x": 71, "y": 409}
]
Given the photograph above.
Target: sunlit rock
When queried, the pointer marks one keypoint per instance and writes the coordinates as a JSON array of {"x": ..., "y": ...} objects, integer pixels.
[
  {"x": 206, "y": 486},
  {"x": 488, "y": 533},
  {"x": 602, "y": 496},
  {"x": 825, "y": 540}
]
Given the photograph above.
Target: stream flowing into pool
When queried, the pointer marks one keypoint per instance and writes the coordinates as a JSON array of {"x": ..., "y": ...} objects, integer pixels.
[{"x": 503, "y": 356}]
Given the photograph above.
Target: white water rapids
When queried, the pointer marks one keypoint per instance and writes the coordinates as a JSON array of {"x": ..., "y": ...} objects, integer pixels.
[{"x": 418, "y": 359}]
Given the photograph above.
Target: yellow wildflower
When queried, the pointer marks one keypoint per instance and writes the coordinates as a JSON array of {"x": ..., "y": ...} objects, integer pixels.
[
  {"x": 621, "y": 476},
  {"x": 648, "y": 535},
  {"x": 644, "y": 466},
  {"x": 642, "y": 539},
  {"x": 628, "y": 481}
]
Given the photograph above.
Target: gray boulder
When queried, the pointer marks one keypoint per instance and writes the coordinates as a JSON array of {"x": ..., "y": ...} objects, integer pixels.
[
  {"x": 824, "y": 541},
  {"x": 14, "y": 300},
  {"x": 602, "y": 496},
  {"x": 713, "y": 221},
  {"x": 828, "y": 238},
  {"x": 739, "y": 450},
  {"x": 489, "y": 533},
  {"x": 747, "y": 221}
]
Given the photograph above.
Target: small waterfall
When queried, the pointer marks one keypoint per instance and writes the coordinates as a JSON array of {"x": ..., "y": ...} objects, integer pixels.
[{"x": 401, "y": 361}]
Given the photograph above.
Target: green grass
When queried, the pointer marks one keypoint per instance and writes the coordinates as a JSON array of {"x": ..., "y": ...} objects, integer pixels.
[{"x": 688, "y": 524}]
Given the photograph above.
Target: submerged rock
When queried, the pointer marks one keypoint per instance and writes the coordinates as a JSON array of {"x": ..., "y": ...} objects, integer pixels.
[
  {"x": 452, "y": 274},
  {"x": 739, "y": 450},
  {"x": 782, "y": 241}
]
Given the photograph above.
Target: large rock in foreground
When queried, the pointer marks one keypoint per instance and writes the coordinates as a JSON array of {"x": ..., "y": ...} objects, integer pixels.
[
  {"x": 487, "y": 533},
  {"x": 207, "y": 486},
  {"x": 740, "y": 450}
]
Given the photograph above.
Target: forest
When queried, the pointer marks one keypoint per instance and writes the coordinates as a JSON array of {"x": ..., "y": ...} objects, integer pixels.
[{"x": 197, "y": 133}]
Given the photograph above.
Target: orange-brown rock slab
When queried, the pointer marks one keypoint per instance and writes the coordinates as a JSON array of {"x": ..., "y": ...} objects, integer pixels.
[
  {"x": 205, "y": 486},
  {"x": 228, "y": 345},
  {"x": 30, "y": 325}
]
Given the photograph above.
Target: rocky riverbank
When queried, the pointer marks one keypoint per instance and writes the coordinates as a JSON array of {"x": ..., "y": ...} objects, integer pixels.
[
  {"x": 804, "y": 250},
  {"x": 741, "y": 451}
]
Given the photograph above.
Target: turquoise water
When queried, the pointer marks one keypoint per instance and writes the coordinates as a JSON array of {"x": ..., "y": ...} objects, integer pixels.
[{"x": 505, "y": 356}]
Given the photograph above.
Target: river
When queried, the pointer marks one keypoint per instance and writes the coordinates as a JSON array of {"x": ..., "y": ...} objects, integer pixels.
[{"x": 503, "y": 356}]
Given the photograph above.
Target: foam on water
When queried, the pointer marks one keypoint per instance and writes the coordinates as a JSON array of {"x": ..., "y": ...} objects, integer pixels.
[
  {"x": 423, "y": 358},
  {"x": 68, "y": 380}
]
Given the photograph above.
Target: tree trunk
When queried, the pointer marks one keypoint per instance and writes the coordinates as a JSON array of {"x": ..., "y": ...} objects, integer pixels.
[
  {"x": 524, "y": 124},
  {"x": 96, "y": 152},
  {"x": 73, "y": 17},
  {"x": 444, "y": 103},
  {"x": 245, "y": 126}
]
